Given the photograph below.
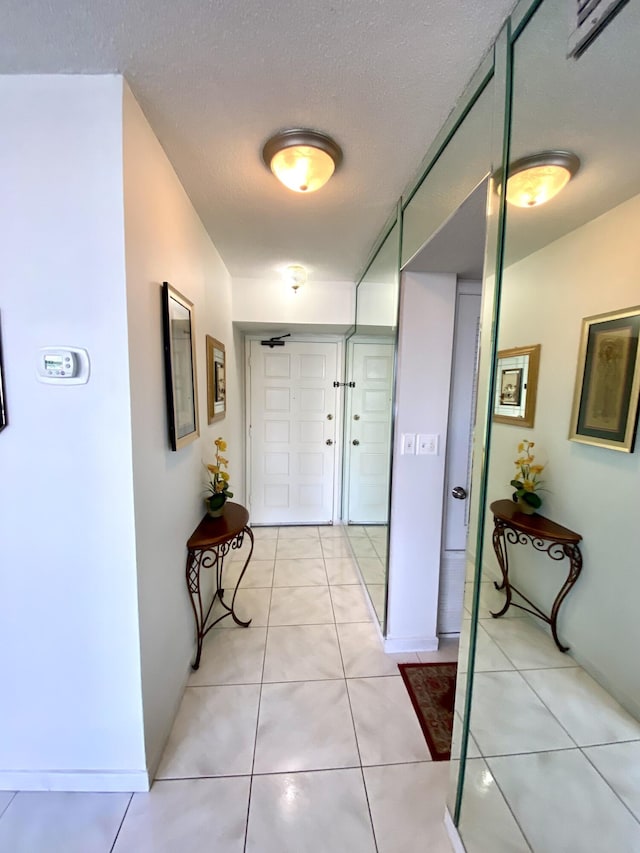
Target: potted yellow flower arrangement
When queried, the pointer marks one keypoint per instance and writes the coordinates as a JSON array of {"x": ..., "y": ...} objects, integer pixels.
[
  {"x": 217, "y": 489},
  {"x": 527, "y": 479}
]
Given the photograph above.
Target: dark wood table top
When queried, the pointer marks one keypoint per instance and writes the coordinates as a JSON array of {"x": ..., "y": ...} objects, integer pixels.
[
  {"x": 534, "y": 525},
  {"x": 215, "y": 531}
]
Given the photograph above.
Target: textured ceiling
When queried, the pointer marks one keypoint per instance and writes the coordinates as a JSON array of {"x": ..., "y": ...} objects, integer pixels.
[{"x": 216, "y": 79}]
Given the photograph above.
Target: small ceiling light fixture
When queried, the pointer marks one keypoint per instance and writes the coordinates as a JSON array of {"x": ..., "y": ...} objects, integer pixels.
[
  {"x": 538, "y": 178},
  {"x": 303, "y": 160},
  {"x": 295, "y": 276}
]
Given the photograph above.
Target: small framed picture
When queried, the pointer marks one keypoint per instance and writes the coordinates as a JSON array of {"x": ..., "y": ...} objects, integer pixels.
[
  {"x": 516, "y": 386},
  {"x": 605, "y": 400},
  {"x": 180, "y": 367},
  {"x": 510, "y": 386},
  {"x": 216, "y": 380}
]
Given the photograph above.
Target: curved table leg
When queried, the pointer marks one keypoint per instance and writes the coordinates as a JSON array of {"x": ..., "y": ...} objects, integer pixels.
[
  {"x": 194, "y": 563},
  {"x": 574, "y": 555},
  {"x": 500, "y": 548},
  {"x": 248, "y": 531}
]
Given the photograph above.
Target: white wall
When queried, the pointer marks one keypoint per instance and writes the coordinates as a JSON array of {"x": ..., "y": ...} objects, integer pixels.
[
  {"x": 427, "y": 312},
  {"x": 591, "y": 490},
  {"x": 71, "y": 713},
  {"x": 319, "y": 304},
  {"x": 165, "y": 240}
]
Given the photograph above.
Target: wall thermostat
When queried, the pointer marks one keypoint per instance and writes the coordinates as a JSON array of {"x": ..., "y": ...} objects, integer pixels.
[{"x": 63, "y": 365}]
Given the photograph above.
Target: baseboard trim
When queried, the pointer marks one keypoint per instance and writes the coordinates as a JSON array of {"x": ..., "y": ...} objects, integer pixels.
[
  {"x": 100, "y": 781},
  {"x": 452, "y": 832},
  {"x": 398, "y": 645}
]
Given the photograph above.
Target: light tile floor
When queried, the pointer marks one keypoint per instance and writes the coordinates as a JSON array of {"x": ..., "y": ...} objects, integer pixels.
[
  {"x": 555, "y": 760},
  {"x": 296, "y": 735}
]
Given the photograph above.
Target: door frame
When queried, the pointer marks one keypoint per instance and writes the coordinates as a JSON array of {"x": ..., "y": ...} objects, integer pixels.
[
  {"x": 455, "y": 559},
  {"x": 298, "y": 337}
]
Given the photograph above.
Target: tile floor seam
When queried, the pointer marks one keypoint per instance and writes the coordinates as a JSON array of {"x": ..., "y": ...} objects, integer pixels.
[
  {"x": 14, "y": 794},
  {"x": 257, "y": 726},
  {"x": 508, "y": 805},
  {"x": 609, "y": 785},
  {"x": 126, "y": 811},
  {"x": 559, "y": 722},
  {"x": 529, "y": 752},
  {"x": 366, "y": 796}
]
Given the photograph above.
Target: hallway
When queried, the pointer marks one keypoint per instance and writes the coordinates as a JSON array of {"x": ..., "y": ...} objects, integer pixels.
[{"x": 296, "y": 734}]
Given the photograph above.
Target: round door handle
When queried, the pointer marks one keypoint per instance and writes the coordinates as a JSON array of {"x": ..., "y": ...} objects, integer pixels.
[
  {"x": 329, "y": 417},
  {"x": 459, "y": 493},
  {"x": 329, "y": 441},
  {"x": 355, "y": 442}
]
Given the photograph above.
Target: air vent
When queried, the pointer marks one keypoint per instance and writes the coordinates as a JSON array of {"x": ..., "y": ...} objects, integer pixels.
[{"x": 588, "y": 19}]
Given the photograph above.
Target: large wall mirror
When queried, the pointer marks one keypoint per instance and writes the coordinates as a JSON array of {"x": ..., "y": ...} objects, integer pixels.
[
  {"x": 552, "y": 752},
  {"x": 371, "y": 352}
]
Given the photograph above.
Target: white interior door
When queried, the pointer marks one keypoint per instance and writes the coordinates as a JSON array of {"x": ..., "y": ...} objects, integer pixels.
[
  {"x": 369, "y": 431},
  {"x": 458, "y": 460},
  {"x": 292, "y": 422}
]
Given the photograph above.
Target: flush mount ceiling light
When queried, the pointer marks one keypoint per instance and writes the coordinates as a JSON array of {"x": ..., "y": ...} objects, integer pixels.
[
  {"x": 538, "y": 178},
  {"x": 295, "y": 276},
  {"x": 303, "y": 160}
]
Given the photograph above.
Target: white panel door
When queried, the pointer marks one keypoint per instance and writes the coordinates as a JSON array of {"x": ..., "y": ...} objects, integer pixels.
[
  {"x": 458, "y": 460},
  {"x": 369, "y": 432},
  {"x": 292, "y": 432}
]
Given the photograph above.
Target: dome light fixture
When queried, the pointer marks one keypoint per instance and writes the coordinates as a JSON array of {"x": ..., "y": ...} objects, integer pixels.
[
  {"x": 303, "y": 160},
  {"x": 536, "y": 179},
  {"x": 295, "y": 276}
]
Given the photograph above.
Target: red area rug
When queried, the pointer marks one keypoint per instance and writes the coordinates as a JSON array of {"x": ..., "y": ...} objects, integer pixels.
[{"x": 432, "y": 688}]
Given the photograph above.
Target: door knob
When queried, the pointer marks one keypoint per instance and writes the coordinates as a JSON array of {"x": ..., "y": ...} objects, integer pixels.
[
  {"x": 355, "y": 442},
  {"x": 459, "y": 493},
  {"x": 356, "y": 417},
  {"x": 329, "y": 417},
  {"x": 329, "y": 441}
]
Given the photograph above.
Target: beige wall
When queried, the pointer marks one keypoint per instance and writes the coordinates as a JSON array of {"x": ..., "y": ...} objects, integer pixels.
[
  {"x": 591, "y": 490},
  {"x": 165, "y": 240}
]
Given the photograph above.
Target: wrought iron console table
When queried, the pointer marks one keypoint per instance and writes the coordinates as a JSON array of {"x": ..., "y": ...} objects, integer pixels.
[
  {"x": 208, "y": 545},
  {"x": 544, "y": 535}
]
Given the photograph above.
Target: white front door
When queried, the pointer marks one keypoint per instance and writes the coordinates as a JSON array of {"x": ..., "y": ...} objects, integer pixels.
[
  {"x": 369, "y": 431},
  {"x": 292, "y": 429},
  {"x": 458, "y": 460}
]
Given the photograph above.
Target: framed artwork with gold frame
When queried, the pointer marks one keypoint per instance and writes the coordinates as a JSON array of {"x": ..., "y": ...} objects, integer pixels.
[
  {"x": 216, "y": 380},
  {"x": 605, "y": 400},
  {"x": 516, "y": 386}
]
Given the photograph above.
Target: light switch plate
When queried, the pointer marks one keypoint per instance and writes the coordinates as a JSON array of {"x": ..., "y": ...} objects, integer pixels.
[
  {"x": 427, "y": 444},
  {"x": 408, "y": 443}
]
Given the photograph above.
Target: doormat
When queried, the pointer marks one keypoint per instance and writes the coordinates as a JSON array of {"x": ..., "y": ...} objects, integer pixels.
[{"x": 432, "y": 689}]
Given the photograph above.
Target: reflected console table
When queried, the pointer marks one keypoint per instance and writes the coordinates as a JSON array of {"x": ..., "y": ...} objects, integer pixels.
[
  {"x": 516, "y": 528},
  {"x": 207, "y": 547}
]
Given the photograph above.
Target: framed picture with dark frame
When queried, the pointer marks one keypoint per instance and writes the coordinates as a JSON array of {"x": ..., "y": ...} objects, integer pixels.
[
  {"x": 516, "y": 386},
  {"x": 605, "y": 400},
  {"x": 180, "y": 367},
  {"x": 3, "y": 408},
  {"x": 216, "y": 380},
  {"x": 510, "y": 386}
]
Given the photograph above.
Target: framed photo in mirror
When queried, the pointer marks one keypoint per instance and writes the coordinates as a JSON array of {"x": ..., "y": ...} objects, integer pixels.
[
  {"x": 605, "y": 400},
  {"x": 516, "y": 386},
  {"x": 216, "y": 380},
  {"x": 180, "y": 367}
]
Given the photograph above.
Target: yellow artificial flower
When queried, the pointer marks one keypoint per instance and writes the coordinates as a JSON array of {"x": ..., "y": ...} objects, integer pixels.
[
  {"x": 521, "y": 447},
  {"x": 214, "y": 469},
  {"x": 528, "y": 485},
  {"x": 537, "y": 469},
  {"x": 224, "y": 475},
  {"x": 220, "y": 444}
]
